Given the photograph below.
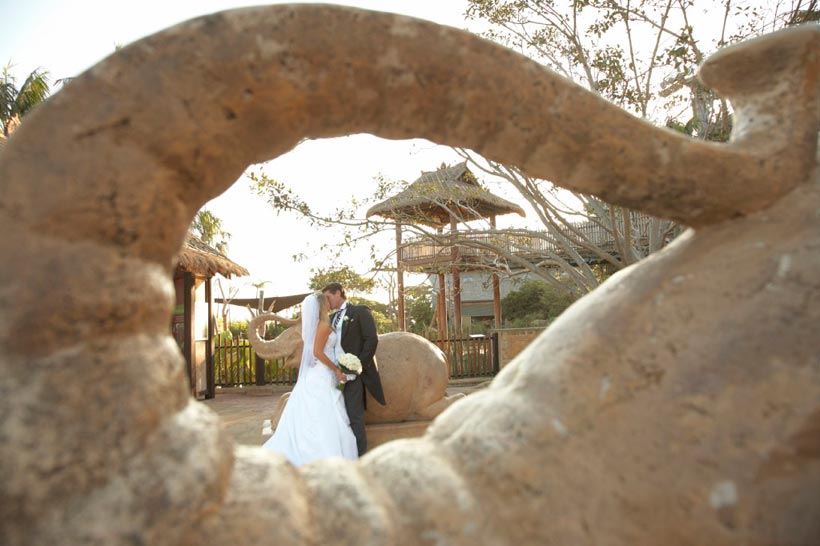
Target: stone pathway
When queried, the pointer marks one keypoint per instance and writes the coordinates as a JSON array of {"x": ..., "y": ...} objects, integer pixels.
[{"x": 243, "y": 410}]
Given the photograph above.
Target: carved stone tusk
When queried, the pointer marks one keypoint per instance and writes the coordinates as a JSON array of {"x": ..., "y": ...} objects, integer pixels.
[
  {"x": 283, "y": 320},
  {"x": 256, "y": 326},
  {"x": 773, "y": 83}
]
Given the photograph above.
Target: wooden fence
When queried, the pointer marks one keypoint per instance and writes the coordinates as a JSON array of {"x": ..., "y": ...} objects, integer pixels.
[
  {"x": 470, "y": 357},
  {"x": 236, "y": 363}
]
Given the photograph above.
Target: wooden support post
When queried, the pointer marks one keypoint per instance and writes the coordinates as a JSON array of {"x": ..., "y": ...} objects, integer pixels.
[
  {"x": 496, "y": 289},
  {"x": 188, "y": 299},
  {"x": 260, "y": 369},
  {"x": 496, "y": 353},
  {"x": 210, "y": 384},
  {"x": 400, "y": 280},
  {"x": 442, "y": 307},
  {"x": 456, "y": 278}
]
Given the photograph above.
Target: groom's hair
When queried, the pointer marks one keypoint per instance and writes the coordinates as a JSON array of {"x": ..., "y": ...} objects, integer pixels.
[{"x": 335, "y": 287}]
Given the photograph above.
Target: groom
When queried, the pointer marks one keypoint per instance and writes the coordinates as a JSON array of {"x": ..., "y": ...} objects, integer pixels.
[{"x": 356, "y": 334}]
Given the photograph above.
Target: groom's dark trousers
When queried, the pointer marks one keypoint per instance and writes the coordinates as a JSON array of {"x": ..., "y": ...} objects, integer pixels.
[
  {"x": 359, "y": 337},
  {"x": 354, "y": 402}
]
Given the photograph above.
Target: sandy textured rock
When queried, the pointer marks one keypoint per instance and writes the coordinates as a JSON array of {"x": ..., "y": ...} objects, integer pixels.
[{"x": 678, "y": 404}]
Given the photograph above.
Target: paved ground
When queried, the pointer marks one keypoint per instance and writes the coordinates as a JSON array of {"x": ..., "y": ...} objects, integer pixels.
[{"x": 243, "y": 410}]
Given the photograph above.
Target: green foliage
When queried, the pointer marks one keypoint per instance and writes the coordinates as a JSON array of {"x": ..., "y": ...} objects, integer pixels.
[
  {"x": 278, "y": 194},
  {"x": 375, "y": 306},
  {"x": 238, "y": 328},
  {"x": 383, "y": 322},
  {"x": 380, "y": 311},
  {"x": 235, "y": 363},
  {"x": 687, "y": 128},
  {"x": 419, "y": 309},
  {"x": 637, "y": 53},
  {"x": 283, "y": 199},
  {"x": 234, "y": 359},
  {"x": 274, "y": 329},
  {"x": 345, "y": 275},
  {"x": 481, "y": 325},
  {"x": 208, "y": 227},
  {"x": 603, "y": 271},
  {"x": 18, "y": 101},
  {"x": 574, "y": 39},
  {"x": 536, "y": 303},
  {"x": 809, "y": 13}
]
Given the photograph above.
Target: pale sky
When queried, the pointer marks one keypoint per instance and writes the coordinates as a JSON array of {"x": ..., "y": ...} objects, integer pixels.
[{"x": 66, "y": 38}]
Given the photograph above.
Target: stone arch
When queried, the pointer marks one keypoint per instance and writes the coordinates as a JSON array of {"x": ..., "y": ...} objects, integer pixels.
[{"x": 104, "y": 178}]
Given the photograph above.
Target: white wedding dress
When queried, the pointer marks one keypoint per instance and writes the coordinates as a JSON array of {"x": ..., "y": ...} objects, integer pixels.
[{"x": 314, "y": 424}]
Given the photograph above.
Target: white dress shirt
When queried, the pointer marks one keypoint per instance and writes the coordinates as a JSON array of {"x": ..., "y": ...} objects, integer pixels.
[{"x": 340, "y": 318}]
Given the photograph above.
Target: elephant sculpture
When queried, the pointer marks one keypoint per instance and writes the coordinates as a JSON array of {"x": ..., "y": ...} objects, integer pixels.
[
  {"x": 677, "y": 404},
  {"x": 413, "y": 371}
]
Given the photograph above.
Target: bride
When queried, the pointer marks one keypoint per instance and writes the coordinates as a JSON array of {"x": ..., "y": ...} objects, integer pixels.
[{"x": 314, "y": 423}]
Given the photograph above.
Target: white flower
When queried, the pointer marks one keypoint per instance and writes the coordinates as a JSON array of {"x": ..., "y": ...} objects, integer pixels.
[{"x": 351, "y": 362}]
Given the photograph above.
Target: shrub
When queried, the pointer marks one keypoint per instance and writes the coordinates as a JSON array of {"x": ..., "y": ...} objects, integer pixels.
[{"x": 536, "y": 303}]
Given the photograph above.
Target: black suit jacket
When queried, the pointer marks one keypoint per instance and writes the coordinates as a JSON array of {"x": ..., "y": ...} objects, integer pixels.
[{"x": 359, "y": 337}]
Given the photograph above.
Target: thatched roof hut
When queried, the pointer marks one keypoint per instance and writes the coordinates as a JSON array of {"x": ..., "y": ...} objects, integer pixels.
[
  {"x": 447, "y": 196},
  {"x": 205, "y": 261},
  {"x": 435, "y": 195},
  {"x": 192, "y": 323}
]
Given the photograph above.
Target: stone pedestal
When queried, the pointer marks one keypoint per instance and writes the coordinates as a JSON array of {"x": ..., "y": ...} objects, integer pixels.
[{"x": 384, "y": 432}]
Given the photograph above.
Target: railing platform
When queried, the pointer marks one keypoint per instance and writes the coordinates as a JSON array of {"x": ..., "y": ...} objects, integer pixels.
[{"x": 483, "y": 247}]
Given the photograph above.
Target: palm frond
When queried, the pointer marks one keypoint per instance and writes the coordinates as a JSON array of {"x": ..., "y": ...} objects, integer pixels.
[
  {"x": 8, "y": 93},
  {"x": 33, "y": 91},
  {"x": 16, "y": 101}
]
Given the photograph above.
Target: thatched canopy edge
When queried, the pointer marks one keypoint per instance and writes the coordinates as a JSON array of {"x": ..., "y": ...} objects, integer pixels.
[
  {"x": 201, "y": 259},
  {"x": 429, "y": 199}
]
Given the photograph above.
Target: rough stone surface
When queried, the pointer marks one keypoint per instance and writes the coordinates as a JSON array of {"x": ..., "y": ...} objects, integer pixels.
[
  {"x": 413, "y": 372},
  {"x": 678, "y": 404},
  {"x": 511, "y": 341}
]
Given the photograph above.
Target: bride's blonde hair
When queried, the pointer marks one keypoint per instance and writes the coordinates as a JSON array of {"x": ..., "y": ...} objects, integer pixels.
[{"x": 324, "y": 307}]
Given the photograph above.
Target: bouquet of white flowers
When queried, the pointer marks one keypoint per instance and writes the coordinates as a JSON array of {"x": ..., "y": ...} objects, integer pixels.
[{"x": 350, "y": 364}]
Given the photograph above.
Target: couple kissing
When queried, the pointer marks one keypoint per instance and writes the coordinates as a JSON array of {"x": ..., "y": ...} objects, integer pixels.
[{"x": 320, "y": 419}]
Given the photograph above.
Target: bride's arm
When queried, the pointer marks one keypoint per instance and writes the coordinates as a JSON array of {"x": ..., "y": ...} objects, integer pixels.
[{"x": 322, "y": 333}]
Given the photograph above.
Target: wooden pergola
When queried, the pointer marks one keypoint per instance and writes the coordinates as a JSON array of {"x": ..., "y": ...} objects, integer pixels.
[
  {"x": 446, "y": 196},
  {"x": 197, "y": 263}
]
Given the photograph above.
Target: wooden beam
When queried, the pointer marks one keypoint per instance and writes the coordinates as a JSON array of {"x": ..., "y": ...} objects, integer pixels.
[
  {"x": 456, "y": 278},
  {"x": 188, "y": 298},
  {"x": 442, "y": 307},
  {"x": 496, "y": 289},
  {"x": 400, "y": 280},
  {"x": 210, "y": 384}
]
